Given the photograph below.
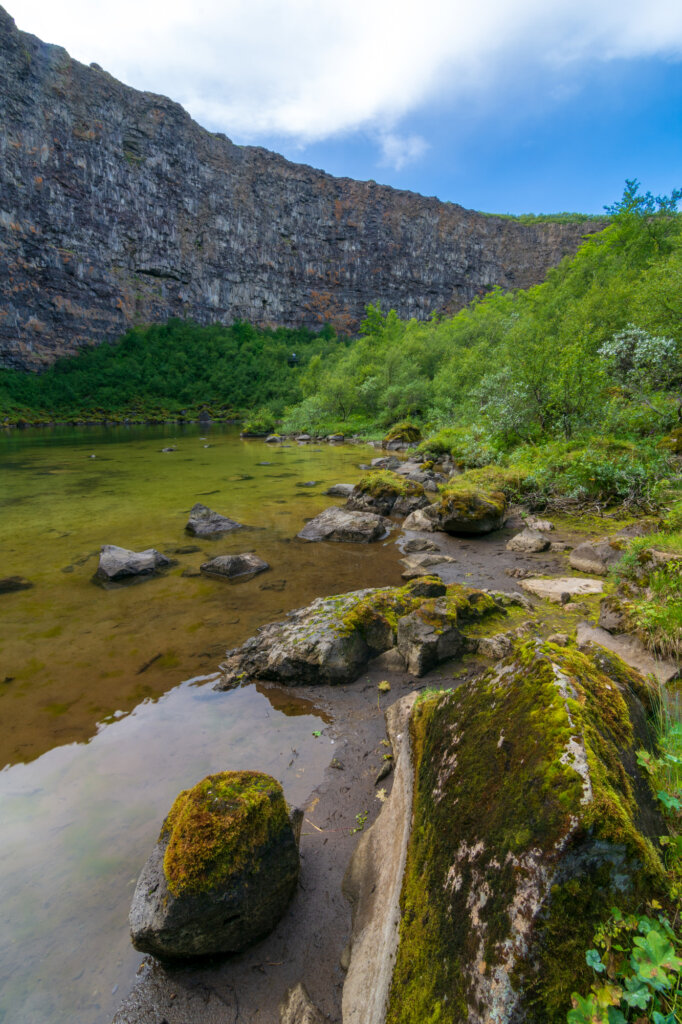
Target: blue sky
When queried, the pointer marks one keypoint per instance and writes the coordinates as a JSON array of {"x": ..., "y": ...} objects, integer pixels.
[{"x": 508, "y": 106}]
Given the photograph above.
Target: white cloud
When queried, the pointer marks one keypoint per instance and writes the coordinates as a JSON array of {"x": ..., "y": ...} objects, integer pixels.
[
  {"x": 311, "y": 69},
  {"x": 397, "y": 151}
]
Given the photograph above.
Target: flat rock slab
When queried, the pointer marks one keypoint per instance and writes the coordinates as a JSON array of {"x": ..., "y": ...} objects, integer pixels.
[
  {"x": 234, "y": 566},
  {"x": 340, "y": 524},
  {"x": 631, "y": 651},
  {"x": 554, "y": 589},
  {"x": 204, "y": 522},
  {"x": 117, "y": 563}
]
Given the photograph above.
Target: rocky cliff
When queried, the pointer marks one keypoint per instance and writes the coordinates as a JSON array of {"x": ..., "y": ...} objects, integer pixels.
[{"x": 116, "y": 208}]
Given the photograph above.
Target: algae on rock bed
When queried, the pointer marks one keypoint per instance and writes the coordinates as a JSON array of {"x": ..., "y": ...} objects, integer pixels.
[
  {"x": 217, "y": 826},
  {"x": 530, "y": 820}
]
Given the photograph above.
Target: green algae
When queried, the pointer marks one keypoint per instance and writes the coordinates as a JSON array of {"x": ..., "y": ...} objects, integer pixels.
[
  {"x": 495, "y": 796},
  {"x": 215, "y": 828}
]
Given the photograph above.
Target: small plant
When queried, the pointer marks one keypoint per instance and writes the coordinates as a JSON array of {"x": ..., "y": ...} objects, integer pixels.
[
  {"x": 637, "y": 973},
  {"x": 384, "y": 686},
  {"x": 361, "y": 820}
]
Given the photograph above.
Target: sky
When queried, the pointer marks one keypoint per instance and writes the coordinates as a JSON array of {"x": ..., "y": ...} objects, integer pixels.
[{"x": 507, "y": 106}]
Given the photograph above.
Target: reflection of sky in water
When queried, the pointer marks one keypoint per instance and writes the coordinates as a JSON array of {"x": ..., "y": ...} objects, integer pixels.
[{"x": 79, "y": 822}]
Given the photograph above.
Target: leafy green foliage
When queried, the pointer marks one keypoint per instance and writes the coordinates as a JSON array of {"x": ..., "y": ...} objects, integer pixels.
[
  {"x": 638, "y": 973},
  {"x": 162, "y": 370}
]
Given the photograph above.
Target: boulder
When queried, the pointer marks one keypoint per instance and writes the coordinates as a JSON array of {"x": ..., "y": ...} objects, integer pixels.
[
  {"x": 428, "y": 636},
  {"x": 595, "y": 556},
  {"x": 471, "y": 512},
  {"x": 529, "y": 541},
  {"x": 631, "y": 650},
  {"x": 340, "y": 490},
  {"x": 530, "y": 818},
  {"x": 204, "y": 522},
  {"x": 273, "y": 438},
  {"x": 223, "y": 870},
  {"x": 119, "y": 563},
  {"x": 334, "y": 638},
  {"x": 335, "y": 438},
  {"x": 406, "y": 504},
  {"x": 339, "y": 524},
  {"x": 561, "y": 588},
  {"x": 234, "y": 566},
  {"x": 386, "y": 462},
  {"x": 419, "y": 544},
  {"x": 424, "y": 520}
]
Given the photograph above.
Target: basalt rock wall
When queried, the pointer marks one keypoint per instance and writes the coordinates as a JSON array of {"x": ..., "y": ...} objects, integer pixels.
[{"x": 116, "y": 209}]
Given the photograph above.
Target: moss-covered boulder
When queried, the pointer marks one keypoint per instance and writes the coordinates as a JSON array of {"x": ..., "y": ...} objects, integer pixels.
[
  {"x": 332, "y": 639},
  {"x": 467, "y": 511},
  {"x": 531, "y": 819},
  {"x": 402, "y": 434},
  {"x": 382, "y": 490},
  {"x": 223, "y": 870}
]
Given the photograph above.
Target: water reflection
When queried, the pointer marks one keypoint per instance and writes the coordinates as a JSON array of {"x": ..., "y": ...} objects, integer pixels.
[{"x": 79, "y": 822}]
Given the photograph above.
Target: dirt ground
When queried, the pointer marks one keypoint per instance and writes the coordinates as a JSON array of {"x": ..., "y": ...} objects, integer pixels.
[{"x": 308, "y": 943}]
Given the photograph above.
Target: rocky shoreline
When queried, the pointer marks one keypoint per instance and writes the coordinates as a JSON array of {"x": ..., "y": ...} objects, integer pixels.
[{"x": 362, "y": 644}]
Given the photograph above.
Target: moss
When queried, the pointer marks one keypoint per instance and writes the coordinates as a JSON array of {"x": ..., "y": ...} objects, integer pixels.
[
  {"x": 382, "y": 483},
  {"x": 215, "y": 828},
  {"x": 405, "y": 431},
  {"x": 496, "y": 796}
]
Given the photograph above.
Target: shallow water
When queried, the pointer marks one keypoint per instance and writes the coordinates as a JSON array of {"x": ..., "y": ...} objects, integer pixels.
[
  {"x": 94, "y": 751},
  {"x": 72, "y": 653}
]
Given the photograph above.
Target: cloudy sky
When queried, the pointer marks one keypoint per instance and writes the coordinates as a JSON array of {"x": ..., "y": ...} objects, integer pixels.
[{"x": 501, "y": 105}]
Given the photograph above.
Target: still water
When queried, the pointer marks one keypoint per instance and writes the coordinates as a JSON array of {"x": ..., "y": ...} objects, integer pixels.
[{"x": 106, "y": 703}]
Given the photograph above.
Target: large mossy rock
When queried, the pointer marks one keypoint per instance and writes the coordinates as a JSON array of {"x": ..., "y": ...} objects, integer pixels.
[
  {"x": 382, "y": 489},
  {"x": 531, "y": 819},
  {"x": 471, "y": 511},
  {"x": 223, "y": 870},
  {"x": 332, "y": 639}
]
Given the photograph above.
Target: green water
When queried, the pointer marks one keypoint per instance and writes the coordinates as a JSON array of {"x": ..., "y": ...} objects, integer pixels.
[{"x": 105, "y": 695}]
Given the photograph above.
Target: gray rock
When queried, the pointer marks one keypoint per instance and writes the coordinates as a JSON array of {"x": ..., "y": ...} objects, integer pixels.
[
  {"x": 234, "y": 566},
  {"x": 406, "y": 504},
  {"x": 339, "y": 524},
  {"x": 117, "y": 563},
  {"x": 631, "y": 651},
  {"x": 543, "y": 525},
  {"x": 203, "y": 522},
  {"x": 297, "y": 1008},
  {"x": 424, "y": 520},
  {"x": 340, "y": 490},
  {"x": 386, "y": 462},
  {"x": 595, "y": 556},
  {"x": 419, "y": 544},
  {"x": 336, "y": 438},
  {"x": 228, "y": 906},
  {"x": 561, "y": 589},
  {"x": 273, "y": 439},
  {"x": 529, "y": 541},
  {"x": 424, "y": 641}
]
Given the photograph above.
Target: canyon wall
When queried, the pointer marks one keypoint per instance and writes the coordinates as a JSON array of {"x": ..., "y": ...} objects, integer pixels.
[{"x": 116, "y": 209}]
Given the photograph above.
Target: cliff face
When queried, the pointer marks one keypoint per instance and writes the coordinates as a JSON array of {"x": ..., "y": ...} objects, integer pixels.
[{"x": 116, "y": 208}]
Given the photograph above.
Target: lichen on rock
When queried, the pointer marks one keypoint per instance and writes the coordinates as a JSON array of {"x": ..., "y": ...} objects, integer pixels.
[{"x": 531, "y": 818}]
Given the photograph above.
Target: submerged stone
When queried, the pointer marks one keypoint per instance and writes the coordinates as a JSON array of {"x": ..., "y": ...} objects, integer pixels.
[
  {"x": 204, "y": 522},
  {"x": 223, "y": 870},
  {"x": 117, "y": 563},
  {"x": 234, "y": 566},
  {"x": 339, "y": 524}
]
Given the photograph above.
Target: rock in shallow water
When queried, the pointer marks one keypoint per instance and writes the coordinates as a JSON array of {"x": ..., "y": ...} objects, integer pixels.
[
  {"x": 222, "y": 872},
  {"x": 339, "y": 524},
  {"x": 529, "y": 541},
  {"x": 234, "y": 566},
  {"x": 204, "y": 522},
  {"x": 117, "y": 563}
]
